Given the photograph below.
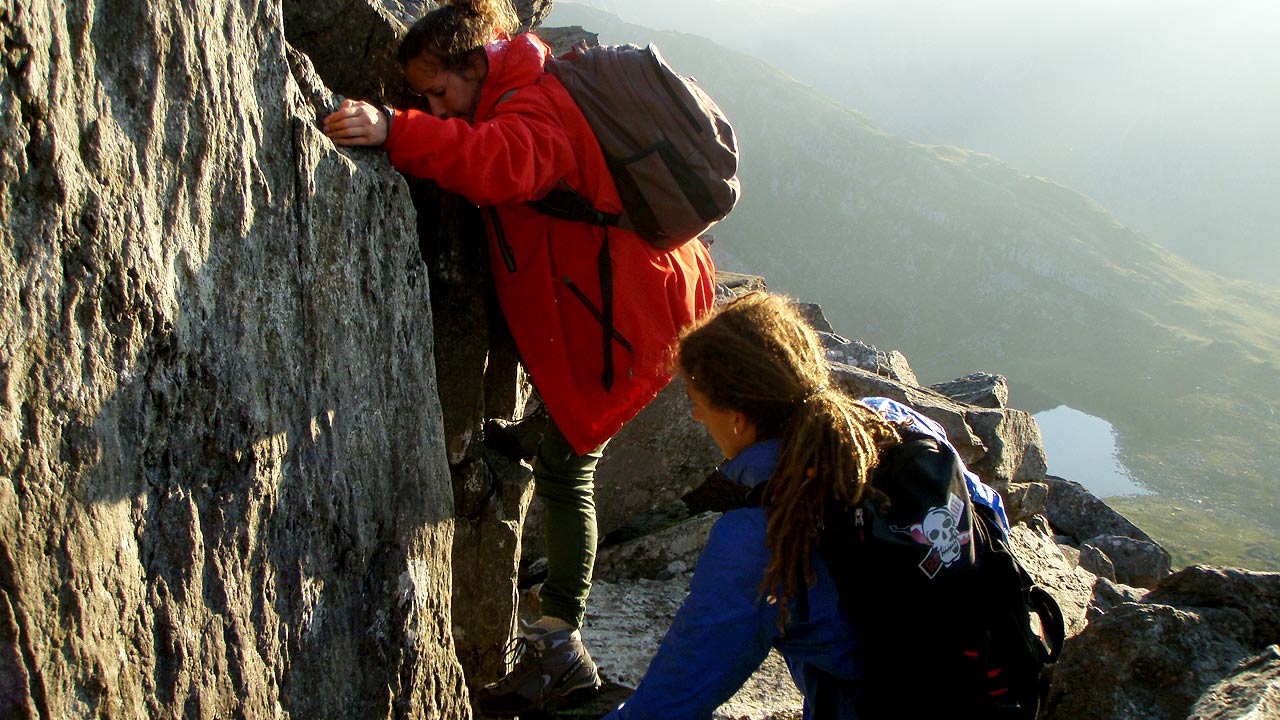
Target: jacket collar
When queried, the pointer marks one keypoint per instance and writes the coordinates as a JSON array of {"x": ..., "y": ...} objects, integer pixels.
[{"x": 754, "y": 464}]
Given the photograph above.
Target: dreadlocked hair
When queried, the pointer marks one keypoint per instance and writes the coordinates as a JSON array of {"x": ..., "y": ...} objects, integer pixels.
[
  {"x": 457, "y": 30},
  {"x": 758, "y": 356}
]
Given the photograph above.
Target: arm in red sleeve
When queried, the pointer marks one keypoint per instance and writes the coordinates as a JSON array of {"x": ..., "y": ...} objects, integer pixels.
[{"x": 516, "y": 155}]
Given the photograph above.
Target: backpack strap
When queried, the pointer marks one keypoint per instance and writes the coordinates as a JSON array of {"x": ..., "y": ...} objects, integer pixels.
[
  {"x": 718, "y": 493},
  {"x": 1038, "y": 600},
  {"x": 566, "y": 203},
  {"x": 1050, "y": 618},
  {"x": 604, "y": 264},
  {"x": 755, "y": 498}
]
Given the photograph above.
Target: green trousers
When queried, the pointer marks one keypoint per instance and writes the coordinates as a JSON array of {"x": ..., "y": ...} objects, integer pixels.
[{"x": 565, "y": 482}]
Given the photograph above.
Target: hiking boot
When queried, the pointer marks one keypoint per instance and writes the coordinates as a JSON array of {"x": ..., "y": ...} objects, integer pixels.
[
  {"x": 517, "y": 440},
  {"x": 550, "y": 667}
]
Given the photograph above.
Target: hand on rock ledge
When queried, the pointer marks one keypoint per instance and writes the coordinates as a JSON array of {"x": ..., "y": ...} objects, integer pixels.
[{"x": 357, "y": 123}]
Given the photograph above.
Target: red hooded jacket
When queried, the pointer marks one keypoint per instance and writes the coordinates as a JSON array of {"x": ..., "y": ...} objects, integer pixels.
[{"x": 521, "y": 145}]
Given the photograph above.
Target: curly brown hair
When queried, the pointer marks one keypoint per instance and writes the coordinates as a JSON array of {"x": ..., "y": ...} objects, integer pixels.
[
  {"x": 759, "y": 357},
  {"x": 454, "y": 32}
]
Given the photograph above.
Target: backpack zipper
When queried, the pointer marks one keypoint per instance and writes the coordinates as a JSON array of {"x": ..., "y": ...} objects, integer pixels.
[
  {"x": 858, "y": 523},
  {"x": 508, "y": 255}
]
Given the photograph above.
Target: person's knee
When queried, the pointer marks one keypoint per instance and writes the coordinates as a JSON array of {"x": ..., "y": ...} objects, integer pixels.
[
  {"x": 563, "y": 474},
  {"x": 565, "y": 491}
]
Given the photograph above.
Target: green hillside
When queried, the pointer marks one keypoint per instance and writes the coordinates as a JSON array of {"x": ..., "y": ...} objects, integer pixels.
[{"x": 964, "y": 264}]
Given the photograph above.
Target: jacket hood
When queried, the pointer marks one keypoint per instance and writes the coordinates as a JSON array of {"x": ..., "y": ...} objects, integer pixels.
[{"x": 513, "y": 63}]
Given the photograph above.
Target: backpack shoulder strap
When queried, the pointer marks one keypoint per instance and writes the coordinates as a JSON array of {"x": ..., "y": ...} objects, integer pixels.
[
  {"x": 565, "y": 203},
  {"x": 1038, "y": 600}
]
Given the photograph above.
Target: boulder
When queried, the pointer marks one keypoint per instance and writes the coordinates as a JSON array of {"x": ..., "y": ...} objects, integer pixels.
[
  {"x": 1108, "y": 594},
  {"x": 562, "y": 39},
  {"x": 977, "y": 389},
  {"x": 1146, "y": 661},
  {"x": 1252, "y": 691},
  {"x": 1015, "y": 450},
  {"x": 1097, "y": 562},
  {"x": 1001, "y": 445},
  {"x": 532, "y": 13},
  {"x": 659, "y": 555},
  {"x": 1025, "y": 500},
  {"x": 945, "y": 411},
  {"x": 856, "y": 353},
  {"x": 1140, "y": 563},
  {"x": 1256, "y": 594},
  {"x": 353, "y": 42},
  {"x": 1077, "y": 513},
  {"x": 1070, "y": 552},
  {"x": 1155, "y": 658},
  {"x": 1071, "y": 586},
  {"x": 732, "y": 284}
]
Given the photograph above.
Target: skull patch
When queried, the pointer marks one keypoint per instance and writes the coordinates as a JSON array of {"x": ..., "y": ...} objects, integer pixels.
[{"x": 940, "y": 530}]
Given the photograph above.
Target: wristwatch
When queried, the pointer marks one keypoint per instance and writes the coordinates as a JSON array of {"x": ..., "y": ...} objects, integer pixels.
[{"x": 390, "y": 112}]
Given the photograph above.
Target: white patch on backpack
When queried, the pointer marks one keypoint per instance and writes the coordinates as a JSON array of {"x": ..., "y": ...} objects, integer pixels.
[{"x": 940, "y": 530}]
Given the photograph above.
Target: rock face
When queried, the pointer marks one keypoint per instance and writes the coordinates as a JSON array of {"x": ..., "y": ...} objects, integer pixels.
[
  {"x": 1252, "y": 691},
  {"x": 1155, "y": 658},
  {"x": 354, "y": 42},
  {"x": 223, "y": 481}
]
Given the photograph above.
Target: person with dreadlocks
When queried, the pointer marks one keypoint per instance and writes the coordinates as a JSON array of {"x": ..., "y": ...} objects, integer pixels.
[
  {"x": 758, "y": 379},
  {"x": 501, "y": 131}
]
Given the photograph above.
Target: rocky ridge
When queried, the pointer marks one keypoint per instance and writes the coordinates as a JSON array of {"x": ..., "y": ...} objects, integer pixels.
[{"x": 243, "y": 375}]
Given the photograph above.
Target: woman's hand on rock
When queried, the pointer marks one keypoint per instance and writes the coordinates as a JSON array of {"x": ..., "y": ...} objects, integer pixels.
[{"x": 357, "y": 123}]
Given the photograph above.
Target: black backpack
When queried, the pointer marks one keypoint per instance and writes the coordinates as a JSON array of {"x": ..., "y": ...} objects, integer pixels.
[{"x": 949, "y": 619}]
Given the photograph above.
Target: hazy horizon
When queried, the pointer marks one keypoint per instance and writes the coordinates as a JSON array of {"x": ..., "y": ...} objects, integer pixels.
[{"x": 1163, "y": 112}]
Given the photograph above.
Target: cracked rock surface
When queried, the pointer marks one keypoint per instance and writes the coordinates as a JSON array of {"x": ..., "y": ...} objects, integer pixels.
[{"x": 222, "y": 484}]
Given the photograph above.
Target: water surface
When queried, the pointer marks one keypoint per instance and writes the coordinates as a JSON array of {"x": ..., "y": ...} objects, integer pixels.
[{"x": 1082, "y": 447}]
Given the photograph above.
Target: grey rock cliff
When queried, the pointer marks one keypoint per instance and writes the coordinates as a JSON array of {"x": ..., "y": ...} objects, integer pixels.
[
  {"x": 353, "y": 43},
  {"x": 223, "y": 481}
]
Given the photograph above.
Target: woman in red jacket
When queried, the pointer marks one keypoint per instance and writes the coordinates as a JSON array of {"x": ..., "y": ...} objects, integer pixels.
[{"x": 501, "y": 132}]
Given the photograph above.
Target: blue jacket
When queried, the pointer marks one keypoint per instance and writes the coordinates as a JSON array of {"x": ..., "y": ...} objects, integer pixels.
[{"x": 724, "y": 630}]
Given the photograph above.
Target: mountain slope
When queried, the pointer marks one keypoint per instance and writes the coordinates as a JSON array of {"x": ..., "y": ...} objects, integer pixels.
[
  {"x": 965, "y": 264},
  {"x": 1163, "y": 111}
]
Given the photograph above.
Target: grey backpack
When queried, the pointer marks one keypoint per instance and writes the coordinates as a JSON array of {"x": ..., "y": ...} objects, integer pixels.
[{"x": 669, "y": 147}]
